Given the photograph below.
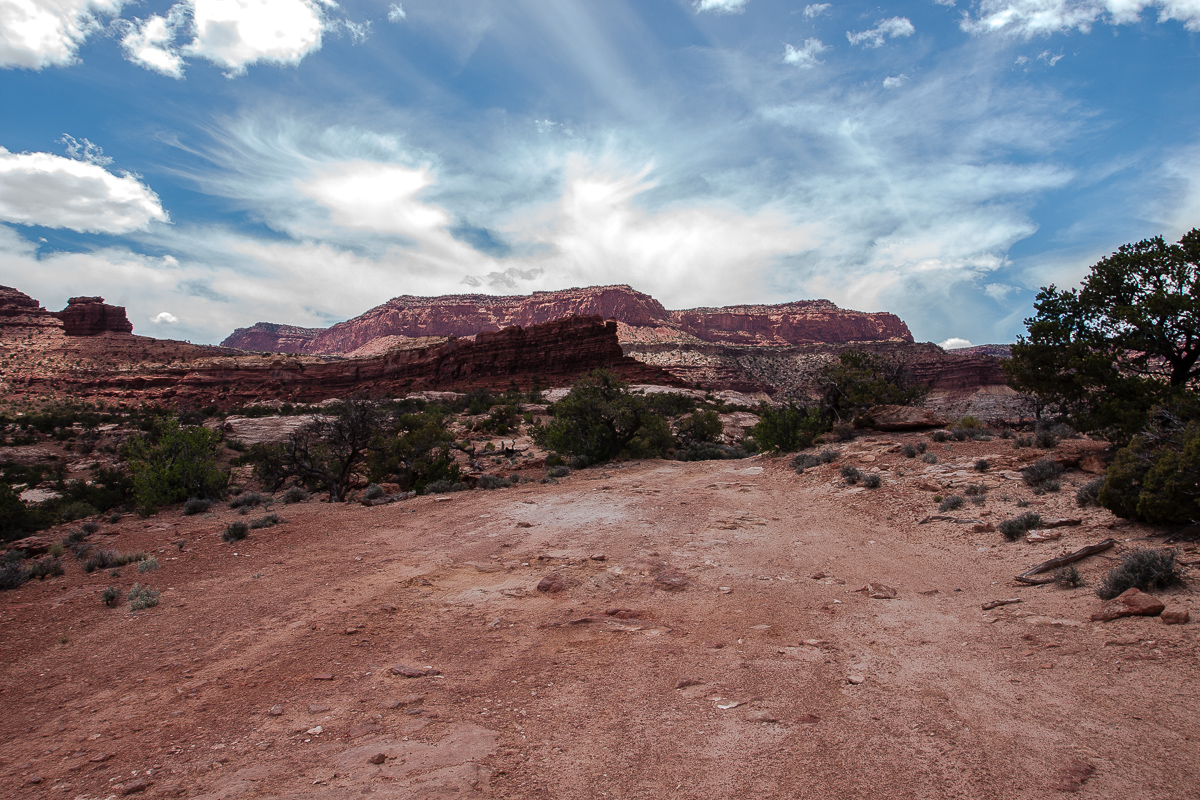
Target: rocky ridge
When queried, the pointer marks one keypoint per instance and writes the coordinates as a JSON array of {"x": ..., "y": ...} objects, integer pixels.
[{"x": 640, "y": 317}]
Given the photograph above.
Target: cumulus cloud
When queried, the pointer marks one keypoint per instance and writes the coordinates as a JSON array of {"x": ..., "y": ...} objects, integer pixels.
[
  {"x": 44, "y": 33},
  {"x": 150, "y": 43},
  {"x": 56, "y": 192},
  {"x": 1029, "y": 18},
  {"x": 722, "y": 6},
  {"x": 234, "y": 34},
  {"x": 396, "y": 13},
  {"x": 884, "y": 29},
  {"x": 806, "y": 55},
  {"x": 164, "y": 318},
  {"x": 895, "y": 81},
  {"x": 954, "y": 343},
  {"x": 816, "y": 9},
  {"x": 84, "y": 150}
]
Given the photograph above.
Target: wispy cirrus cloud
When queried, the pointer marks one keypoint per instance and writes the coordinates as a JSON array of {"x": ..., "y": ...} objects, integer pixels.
[
  {"x": 1029, "y": 18},
  {"x": 895, "y": 27}
]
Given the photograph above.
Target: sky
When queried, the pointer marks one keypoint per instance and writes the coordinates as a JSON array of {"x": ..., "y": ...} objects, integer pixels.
[{"x": 213, "y": 163}]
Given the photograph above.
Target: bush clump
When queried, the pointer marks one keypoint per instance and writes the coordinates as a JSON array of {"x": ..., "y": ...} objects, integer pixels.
[
  {"x": 1016, "y": 527},
  {"x": 1068, "y": 577},
  {"x": 268, "y": 521},
  {"x": 983, "y": 465},
  {"x": 196, "y": 505},
  {"x": 951, "y": 503},
  {"x": 709, "y": 452},
  {"x": 809, "y": 460},
  {"x": 559, "y": 471},
  {"x": 851, "y": 475},
  {"x": 46, "y": 567},
  {"x": 940, "y": 436},
  {"x": 107, "y": 559},
  {"x": 600, "y": 419},
  {"x": 110, "y": 595},
  {"x": 1156, "y": 478},
  {"x": 373, "y": 492},
  {"x": 913, "y": 450},
  {"x": 930, "y": 458},
  {"x": 295, "y": 494},
  {"x": 871, "y": 480},
  {"x": 235, "y": 532},
  {"x": 1089, "y": 493},
  {"x": 141, "y": 597},
  {"x": 494, "y": 482},
  {"x": 90, "y": 527},
  {"x": 788, "y": 428},
  {"x": 172, "y": 463},
  {"x": 1142, "y": 569},
  {"x": 13, "y": 574},
  {"x": 148, "y": 564},
  {"x": 249, "y": 500},
  {"x": 444, "y": 487},
  {"x": 1042, "y": 475}
]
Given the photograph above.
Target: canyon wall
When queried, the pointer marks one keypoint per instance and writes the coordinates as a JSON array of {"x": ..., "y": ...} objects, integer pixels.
[{"x": 641, "y": 318}]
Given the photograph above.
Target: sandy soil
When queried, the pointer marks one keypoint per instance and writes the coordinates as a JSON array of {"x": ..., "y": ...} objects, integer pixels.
[{"x": 691, "y": 653}]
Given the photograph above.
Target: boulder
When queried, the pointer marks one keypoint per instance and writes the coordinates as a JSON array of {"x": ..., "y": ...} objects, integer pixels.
[
  {"x": 32, "y": 545},
  {"x": 89, "y": 316},
  {"x": 903, "y": 418},
  {"x": 1175, "y": 615},
  {"x": 1130, "y": 603}
]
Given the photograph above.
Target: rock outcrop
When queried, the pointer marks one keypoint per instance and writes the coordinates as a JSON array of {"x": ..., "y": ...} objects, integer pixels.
[
  {"x": 19, "y": 310},
  {"x": 640, "y": 317},
  {"x": 557, "y": 351},
  {"x": 89, "y": 316}
]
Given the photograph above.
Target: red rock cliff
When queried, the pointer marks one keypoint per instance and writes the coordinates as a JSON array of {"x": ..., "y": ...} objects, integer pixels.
[
  {"x": 88, "y": 316},
  {"x": 466, "y": 315}
]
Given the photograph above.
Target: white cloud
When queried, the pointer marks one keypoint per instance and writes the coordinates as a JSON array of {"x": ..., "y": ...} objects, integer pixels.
[
  {"x": 396, "y": 13},
  {"x": 44, "y": 33},
  {"x": 1051, "y": 58},
  {"x": 1028, "y": 18},
  {"x": 816, "y": 9},
  {"x": 235, "y": 33},
  {"x": 884, "y": 29},
  {"x": 84, "y": 150},
  {"x": 722, "y": 6},
  {"x": 895, "y": 81},
  {"x": 150, "y": 43},
  {"x": 164, "y": 318},
  {"x": 805, "y": 56},
  {"x": 45, "y": 189},
  {"x": 954, "y": 343},
  {"x": 999, "y": 291}
]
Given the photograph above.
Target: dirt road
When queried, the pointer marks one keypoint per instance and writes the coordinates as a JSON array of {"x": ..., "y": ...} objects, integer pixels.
[{"x": 707, "y": 640}]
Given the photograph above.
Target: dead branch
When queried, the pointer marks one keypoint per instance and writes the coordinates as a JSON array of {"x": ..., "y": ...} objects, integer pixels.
[
  {"x": 1062, "y": 561},
  {"x": 997, "y": 603}
]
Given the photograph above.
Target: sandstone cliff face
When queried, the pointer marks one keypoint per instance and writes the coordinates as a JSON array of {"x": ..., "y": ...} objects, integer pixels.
[
  {"x": 272, "y": 338},
  {"x": 558, "y": 351},
  {"x": 89, "y": 316},
  {"x": 19, "y": 310},
  {"x": 641, "y": 318}
]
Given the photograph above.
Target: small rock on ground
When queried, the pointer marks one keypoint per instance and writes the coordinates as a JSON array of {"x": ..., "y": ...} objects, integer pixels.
[
  {"x": 1176, "y": 615},
  {"x": 1130, "y": 603}
]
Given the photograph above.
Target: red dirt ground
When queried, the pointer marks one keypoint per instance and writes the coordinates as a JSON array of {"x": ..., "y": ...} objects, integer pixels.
[{"x": 549, "y": 695}]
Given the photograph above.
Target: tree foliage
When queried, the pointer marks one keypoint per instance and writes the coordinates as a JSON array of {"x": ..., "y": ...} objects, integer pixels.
[
  {"x": 788, "y": 428},
  {"x": 171, "y": 463},
  {"x": 600, "y": 419},
  {"x": 1156, "y": 478},
  {"x": 859, "y": 380},
  {"x": 1126, "y": 340}
]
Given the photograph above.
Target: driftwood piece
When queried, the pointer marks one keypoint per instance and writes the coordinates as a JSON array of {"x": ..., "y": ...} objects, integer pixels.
[
  {"x": 1062, "y": 561},
  {"x": 998, "y": 603},
  {"x": 944, "y": 518}
]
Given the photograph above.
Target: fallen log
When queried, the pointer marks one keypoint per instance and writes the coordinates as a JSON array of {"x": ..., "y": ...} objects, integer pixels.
[
  {"x": 944, "y": 518},
  {"x": 1062, "y": 561},
  {"x": 997, "y": 603}
]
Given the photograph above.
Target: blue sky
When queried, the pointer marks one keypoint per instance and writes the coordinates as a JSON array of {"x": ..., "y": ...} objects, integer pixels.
[{"x": 213, "y": 163}]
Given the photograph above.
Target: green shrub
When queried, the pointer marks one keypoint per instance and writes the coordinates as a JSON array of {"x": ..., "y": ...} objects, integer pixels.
[
  {"x": 295, "y": 494},
  {"x": 559, "y": 471},
  {"x": 1156, "y": 478},
  {"x": 940, "y": 436},
  {"x": 235, "y": 532},
  {"x": 1068, "y": 577},
  {"x": 249, "y": 500},
  {"x": 46, "y": 567},
  {"x": 701, "y": 427},
  {"x": 850, "y": 474},
  {"x": 110, "y": 595},
  {"x": 196, "y": 505},
  {"x": 90, "y": 527},
  {"x": 929, "y": 458},
  {"x": 1089, "y": 493},
  {"x": 148, "y": 564},
  {"x": 1042, "y": 475},
  {"x": 373, "y": 492},
  {"x": 105, "y": 559},
  {"x": 141, "y": 597},
  {"x": 983, "y": 465},
  {"x": 871, "y": 480},
  {"x": 951, "y": 503},
  {"x": 788, "y": 428},
  {"x": 975, "y": 490},
  {"x": 444, "y": 487},
  {"x": 13, "y": 574},
  {"x": 493, "y": 482},
  {"x": 1045, "y": 438},
  {"x": 268, "y": 521},
  {"x": 170, "y": 464},
  {"x": 913, "y": 450},
  {"x": 709, "y": 452},
  {"x": 1142, "y": 569},
  {"x": 14, "y": 517},
  {"x": 600, "y": 419},
  {"x": 1013, "y": 529}
]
